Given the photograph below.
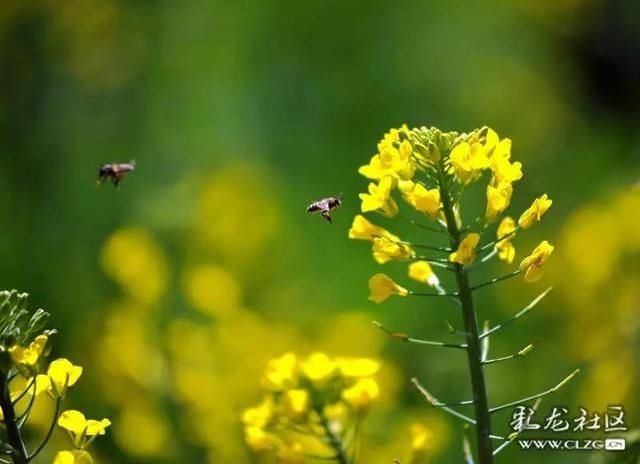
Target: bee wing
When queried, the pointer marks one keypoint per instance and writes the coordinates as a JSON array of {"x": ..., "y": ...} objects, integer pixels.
[{"x": 318, "y": 206}]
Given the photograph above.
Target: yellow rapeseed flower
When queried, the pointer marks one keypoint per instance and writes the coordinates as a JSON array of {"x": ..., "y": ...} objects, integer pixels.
[
  {"x": 505, "y": 171},
  {"x": 318, "y": 368},
  {"x": 296, "y": 402},
  {"x": 82, "y": 430},
  {"x": 291, "y": 454},
  {"x": 498, "y": 199},
  {"x": 358, "y": 367},
  {"x": 421, "y": 271},
  {"x": 386, "y": 249},
  {"x": 382, "y": 287},
  {"x": 28, "y": 356},
  {"x": 533, "y": 263},
  {"x": 362, "y": 393},
  {"x": 213, "y": 290},
  {"x": 258, "y": 439},
  {"x": 73, "y": 457},
  {"x": 535, "y": 211},
  {"x": 420, "y": 198},
  {"x": 260, "y": 415},
  {"x": 468, "y": 159},
  {"x": 466, "y": 252},
  {"x": 60, "y": 375},
  {"x": 506, "y": 250},
  {"x": 496, "y": 148},
  {"x": 393, "y": 157},
  {"x": 379, "y": 198},
  {"x": 421, "y": 438},
  {"x": 362, "y": 229},
  {"x": 281, "y": 373}
]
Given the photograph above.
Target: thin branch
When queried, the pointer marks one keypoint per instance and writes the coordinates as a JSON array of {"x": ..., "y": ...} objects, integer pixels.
[
  {"x": 433, "y": 401},
  {"x": 515, "y": 435},
  {"x": 519, "y": 354},
  {"x": 497, "y": 279},
  {"x": 484, "y": 259},
  {"x": 432, "y": 294},
  {"x": 422, "y": 226},
  {"x": 406, "y": 338},
  {"x": 495, "y": 242},
  {"x": 539, "y": 395},
  {"x": 49, "y": 432},
  {"x": 518, "y": 315},
  {"x": 466, "y": 450},
  {"x": 484, "y": 343}
]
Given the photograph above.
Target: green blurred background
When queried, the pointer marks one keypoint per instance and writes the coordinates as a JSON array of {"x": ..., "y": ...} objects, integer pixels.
[{"x": 175, "y": 290}]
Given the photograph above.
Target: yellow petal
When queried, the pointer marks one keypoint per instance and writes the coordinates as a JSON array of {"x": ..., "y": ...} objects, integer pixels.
[
  {"x": 382, "y": 287},
  {"x": 73, "y": 421}
]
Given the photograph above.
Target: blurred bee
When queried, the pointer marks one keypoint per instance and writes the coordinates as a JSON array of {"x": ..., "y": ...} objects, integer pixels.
[
  {"x": 115, "y": 172},
  {"x": 325, "y": 206}
]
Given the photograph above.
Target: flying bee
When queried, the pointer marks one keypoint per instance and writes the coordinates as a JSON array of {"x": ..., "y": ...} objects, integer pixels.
[
  {"x": 325, "y": 206},
  {"x": 115, "y": 172}
]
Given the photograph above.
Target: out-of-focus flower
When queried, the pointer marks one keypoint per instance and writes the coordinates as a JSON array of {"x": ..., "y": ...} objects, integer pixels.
[
  {"x": 421, "y": 438},
  {"x": 382, "y": 287},
  {"x": 28, "y": 356},
  {"x": 318, "y": 368},
  {"x": 296, "y": 402},
  {"x": 379, "y": 198},
  {"x": 498, "y": 199},
  {"x": 421, "y": 271},
  {"x": 535, "y": 212},
  {"x": 358, "y": 367},
  {"x": 506, "y": 250},
  {"x": 532, "y": 264},
  {"x": 362, "y": 393},
  {"x": 82, "y": 431},
  {"x": 281, "y": 373},
  {"x": 61, "y": 375},
  {"x": 386, "y": 249},
  {"x": 212, "y": 290},
  {"x": 73, "y": 457},
  {"x": 142, "y": 429},
  {"x": 466, "y": 252},
  {"x": 258, "y": 439}
]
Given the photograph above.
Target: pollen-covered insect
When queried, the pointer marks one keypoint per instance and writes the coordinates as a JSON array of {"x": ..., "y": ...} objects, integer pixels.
[
  {"x": 115, "y": 172},
  {"x": 325, "y": 206}
]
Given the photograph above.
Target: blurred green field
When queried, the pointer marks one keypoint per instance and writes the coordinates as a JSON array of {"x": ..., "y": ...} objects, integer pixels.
[{"x": 175, "y": 290}]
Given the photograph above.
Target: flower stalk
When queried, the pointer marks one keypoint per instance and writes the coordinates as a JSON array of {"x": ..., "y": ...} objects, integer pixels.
[{"x": 14, "y": 434}]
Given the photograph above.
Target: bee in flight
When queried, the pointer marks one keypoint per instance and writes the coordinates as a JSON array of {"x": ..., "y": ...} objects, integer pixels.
[
  {"x": 325, "y": 206},
  {"x": 115, "y": 172}
]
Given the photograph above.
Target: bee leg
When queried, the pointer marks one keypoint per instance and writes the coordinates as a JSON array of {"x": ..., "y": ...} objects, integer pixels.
[
  {"x": 327, "y": 216},
  {"x": 116, "y": 181}
]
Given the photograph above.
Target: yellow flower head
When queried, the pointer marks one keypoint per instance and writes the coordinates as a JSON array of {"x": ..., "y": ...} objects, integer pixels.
[
  {"x": 421, "y": 271},
  {"x": 386, "y": 249},
  {"x": 358, "y": 367},
  {"x": 466, "y": 252},
  {"x": 506, "y": 250},
  {"x": 505, "y": 171},
  {"x": 498, "y": 199},
  {"x": 379, "y": 198},
  {"x": 82, "y": 430},
  {"x": 382, "y": 287},
  {"x": 281, "y": 373},
  {"x": 533, "y": 263},
  {"x": 260, "y": 415},
  {"x": 257, "y": 439},
  {"x": 73, "y": 457},
  {"x": 468, "y": 159},
  {"x": 420, "y": 198},
  {"x": 60, "y": 375},
  {"x": 362, "y": 393},
  {"x": 393, "y": 157},
  {"x": 318, "y": 368},
  {"x": 535, "y": 211},
  {"x": 28, "y": 356},
  {"x": 362, "y": 229},
  {"x": 296, "y": 402}
]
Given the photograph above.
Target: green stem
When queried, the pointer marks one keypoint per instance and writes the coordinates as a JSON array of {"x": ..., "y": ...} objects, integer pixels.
[
  {"x": 334, "y": 441},
  {"x": 14, "y": 435},
  {"x": 478, "y": 384}
]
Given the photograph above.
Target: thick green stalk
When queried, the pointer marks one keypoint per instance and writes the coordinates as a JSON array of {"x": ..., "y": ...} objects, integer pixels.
[
  {"x": 14, "y": 436},
  {"x": 478, "y": 384}
]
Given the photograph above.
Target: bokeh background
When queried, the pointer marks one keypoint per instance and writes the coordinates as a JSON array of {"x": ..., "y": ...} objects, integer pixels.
[{"x": 175, "y": 290}]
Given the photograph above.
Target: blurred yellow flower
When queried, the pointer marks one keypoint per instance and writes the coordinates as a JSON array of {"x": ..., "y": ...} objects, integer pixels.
[
  {"x": 358, "y": 367},
  {"x": 379, "y": 198},
  {"x": 467, "y": 160},
  {"x": 362, "y": 229},
  {"x": 532, "y": 264},
  {"x": 364, "y": 392},
  {"x": 142, "y": 430},
  {"x": 260, "y": 415},
  {"x": 318, "y": 368},
  {"x": 28, "y": 356},
  {"x": 466, "y": 252},
  {"x": 420, "y": 198},
  {"x": 281, "y": 373},
  {"x": 296, "y": 402},
  {"x": 421, "y": 271},
  {"x": 212, "y": 290},
  {"x": 506, "y": 250},
  {"x": 133, "y": 259},
  {"x": 290, "y": 454},
  {"x": 535, "y": 212},
  {"x": 382, "y": 287},
  {"x": 73, "y": 457},
  {"x": 60, "y": 375},
  {"x": 82, "y": 430},
  {"x": 258, "y": 439},
  {"x": 421, "y": 438},
  {"x": 498, "y": 199},
  {"x": 388, "y": 248}
]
